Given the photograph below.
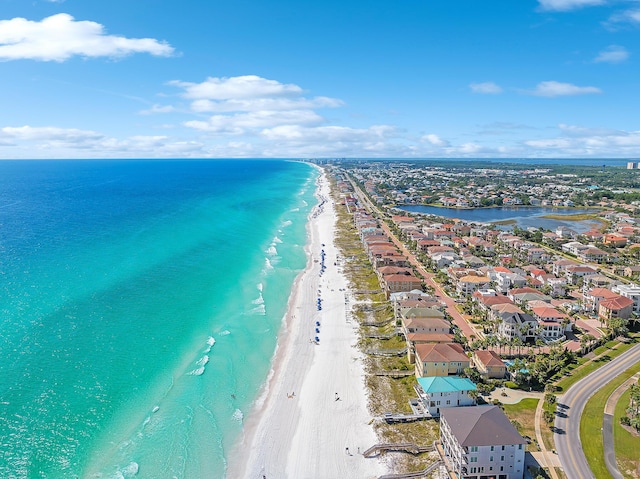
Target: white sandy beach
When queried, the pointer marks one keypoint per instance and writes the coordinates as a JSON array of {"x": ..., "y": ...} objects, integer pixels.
[{"x": 298, "y": 429}]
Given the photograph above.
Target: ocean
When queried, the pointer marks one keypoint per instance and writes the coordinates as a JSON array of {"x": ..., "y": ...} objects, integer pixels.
[{"x": 140, "y": 303}]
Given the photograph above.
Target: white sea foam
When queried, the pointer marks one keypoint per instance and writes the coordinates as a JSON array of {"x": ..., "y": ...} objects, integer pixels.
[
  {"x": 260, "y": 310},
  {"x": 196, "y": 372},
  {"x": 258, "y": 300},
  {"x": 237, "y": 415},
  {"x": 202, "y": 361},
  {"x": 224, "y": 333},
  {"x": 267, "y": 264},
  {"x": 277, "y": 240},
  {"x": 210, "y": 342},
  {"x": 155, "y": 409},
  {"x": 264, "y": 394},
  {"x": 127, "y": 472},
  {"x": 271, "y": 250},
  {"x": 286, "y": 223}
]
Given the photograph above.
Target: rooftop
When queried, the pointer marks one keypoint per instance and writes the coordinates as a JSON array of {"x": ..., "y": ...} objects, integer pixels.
[{"x": 481, "y": 426}]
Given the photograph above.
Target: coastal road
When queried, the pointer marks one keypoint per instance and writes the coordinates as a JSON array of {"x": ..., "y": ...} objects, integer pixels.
[
  {"x": 571, "y": 406},
  {"x": 467, "y": 330}
]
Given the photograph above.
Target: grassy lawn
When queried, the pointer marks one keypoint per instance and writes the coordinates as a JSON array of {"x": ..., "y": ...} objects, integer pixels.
[
  {"x": 524, "y": 413},
  {"x": 579, "y": 373},
  {"x": 591, "y": 424},
  {"x": 626, "y": 444}
]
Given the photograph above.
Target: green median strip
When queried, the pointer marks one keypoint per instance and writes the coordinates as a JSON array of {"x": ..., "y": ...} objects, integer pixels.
[
  {"x": 591, "y": 424},
  {"x": 578, "y": 373}
]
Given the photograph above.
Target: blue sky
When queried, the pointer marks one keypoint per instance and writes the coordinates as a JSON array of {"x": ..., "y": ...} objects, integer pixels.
[{"x": 250, "y": 78}]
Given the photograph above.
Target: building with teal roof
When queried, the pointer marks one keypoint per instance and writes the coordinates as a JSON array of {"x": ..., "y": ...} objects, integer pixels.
[{"x": 437, "y": 392}]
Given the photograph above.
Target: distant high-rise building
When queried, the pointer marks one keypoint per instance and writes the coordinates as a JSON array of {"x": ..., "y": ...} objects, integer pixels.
[{"x": 631, "y": 165}]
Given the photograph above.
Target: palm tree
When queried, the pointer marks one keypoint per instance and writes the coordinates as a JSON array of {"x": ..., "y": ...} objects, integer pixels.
[
  {"x": 518, "y": 343},
  {"x": 617, "y": 327},
  {"x": 585, "y": 341}
]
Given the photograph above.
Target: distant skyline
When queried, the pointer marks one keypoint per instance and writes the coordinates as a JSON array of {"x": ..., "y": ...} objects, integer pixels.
[{"x": 284, "y": 79}]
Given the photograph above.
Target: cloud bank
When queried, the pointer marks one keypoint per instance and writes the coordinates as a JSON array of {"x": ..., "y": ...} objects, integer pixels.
[{"x": 60, "y": 37}]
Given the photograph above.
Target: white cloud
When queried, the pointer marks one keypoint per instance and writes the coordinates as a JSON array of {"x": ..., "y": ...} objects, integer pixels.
[
  {"x": 241, "y": 123},
  {"x": 330, "y": 133},
  {"x": 582, "y": 132},
  {"x": 486, "y": 88},
  {"x": 249, "y": 93},
  {"x": 47, "y": 133},
  {"x": 434, "y": 140},
  {"x": 567, "y": 5},
  {"x": 247, "y": 104},
  {"x": 576, "y": 141},
  {"x": 259, "y": 104},
  {"x": 158, "y": 109},
  {"x": 60, "y": 37},
  {"x": 234, "y": 88},
  {"x": 612, "y": 54},
  {"x": 554, "y": 88},
  {"x": 628, "y": 16}
]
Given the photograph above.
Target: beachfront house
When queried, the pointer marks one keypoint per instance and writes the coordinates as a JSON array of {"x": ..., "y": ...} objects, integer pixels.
[
  {"x": 437, "y": 392},
  {"x": 440, "y": 359},
  {"x": 479, "y": 442},
  {"x": 489, "y": 364}
]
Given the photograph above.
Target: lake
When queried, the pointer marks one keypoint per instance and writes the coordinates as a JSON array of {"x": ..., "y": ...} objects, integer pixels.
[{"x": 523, "y": 217}]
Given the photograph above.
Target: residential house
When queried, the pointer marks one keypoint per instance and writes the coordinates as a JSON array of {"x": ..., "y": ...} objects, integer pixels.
[
  {"x": 468, "y": 284},
  {"x": 437, "y": 392},
  {"x": 489, "y": 364},
  {"x": 440, "y": 359},
  {"x": 513, "y": 322},
  {"x": 619, "y": 307},
  {"x": 394, "y": 283},
  {"x": 631, "y": 291},
  {"x": 479, "y": 442}
]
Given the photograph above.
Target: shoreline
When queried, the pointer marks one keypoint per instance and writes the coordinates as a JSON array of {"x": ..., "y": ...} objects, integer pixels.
[{"x": 313, "y": 405}]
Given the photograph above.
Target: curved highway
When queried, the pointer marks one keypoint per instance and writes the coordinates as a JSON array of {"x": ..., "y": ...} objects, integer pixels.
[{"x": 570, "y": 407}]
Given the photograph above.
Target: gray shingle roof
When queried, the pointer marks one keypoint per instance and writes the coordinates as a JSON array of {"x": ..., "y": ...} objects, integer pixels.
[{"x": 481, "y": 426}]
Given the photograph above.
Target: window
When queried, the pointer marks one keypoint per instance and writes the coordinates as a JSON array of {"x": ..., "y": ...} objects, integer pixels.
[
  {"x": 474, "y": 448},
  {"x": 501, "y": 468},
  {"x": 473, "y": 459},
  {"x": 448, "y": 402},
  {"x": 501, "y": 458},
  {"x": 491, "y": 448},
  {"x": 491, "y": 458},
  {"x": 519, "y": 446},
  {"x": 503, "y": 448}
]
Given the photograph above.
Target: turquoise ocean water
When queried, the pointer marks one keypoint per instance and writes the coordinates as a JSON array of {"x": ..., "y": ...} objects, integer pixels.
[{"x": 140, "y": 303}]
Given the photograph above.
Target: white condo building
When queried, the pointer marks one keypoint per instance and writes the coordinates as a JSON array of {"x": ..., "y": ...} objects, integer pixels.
[
  {"x": 631, "y": 291},
  {"x": 479, "y": 442}
]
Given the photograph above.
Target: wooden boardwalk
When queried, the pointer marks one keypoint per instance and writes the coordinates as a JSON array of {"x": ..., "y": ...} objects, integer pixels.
[
  {"x": 396, "y": 373},
  {"x": 386, "y": 352},
  {"x": 409, "y": 447},
  {"x": 408, "y": 475}
]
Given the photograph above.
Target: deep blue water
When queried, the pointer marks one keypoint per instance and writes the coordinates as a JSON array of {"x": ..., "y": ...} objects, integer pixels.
[{"x": 116, "y": 277}]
